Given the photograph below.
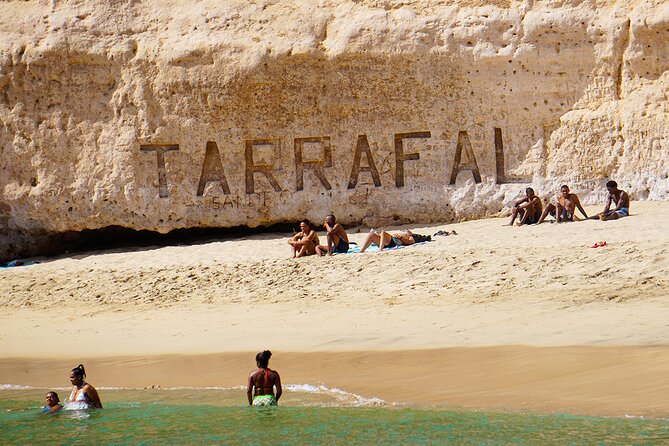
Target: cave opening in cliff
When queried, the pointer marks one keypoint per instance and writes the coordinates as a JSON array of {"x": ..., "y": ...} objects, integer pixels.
[{"x": 118, "y": 237}]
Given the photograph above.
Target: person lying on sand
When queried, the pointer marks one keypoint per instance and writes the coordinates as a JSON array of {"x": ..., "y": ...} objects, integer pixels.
[
  {"x": 337, "y": 238},
  {"x": 385, "y": 239},
  {"x": 83, "y": 393},
  {"x": 564, "y": 208},
  {"x": 620, "y": 198},
  {"x": 529, "y": 209},
  {"x": 52, "y": 403},
  {"x": 304, "y": 242},
  {"x": 260, "y": 389}
]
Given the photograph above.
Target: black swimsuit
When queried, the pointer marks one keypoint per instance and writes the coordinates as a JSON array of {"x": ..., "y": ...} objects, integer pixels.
[{"x": 341, "y": 248}]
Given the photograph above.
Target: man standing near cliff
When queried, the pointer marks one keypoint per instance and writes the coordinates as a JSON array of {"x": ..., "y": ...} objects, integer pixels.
[
  {"x": 564, "y": 208},
  {"x": 337, "y": 238},
  {"x": 620, "y": 198}
]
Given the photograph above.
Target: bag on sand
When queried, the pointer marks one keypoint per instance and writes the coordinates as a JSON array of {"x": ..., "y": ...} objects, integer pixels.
[{"x": 418, "y": 238}]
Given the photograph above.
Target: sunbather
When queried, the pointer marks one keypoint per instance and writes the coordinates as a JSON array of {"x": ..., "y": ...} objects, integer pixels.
[
  {"x": 304, "y": 242},
  {"x": 618, "y": 197},
  {"x": 564, "y": 207},
  {"x": 385, "y": 239},
  {"x": 336, "y": 236},
  {"x": 529, "y": 209}
]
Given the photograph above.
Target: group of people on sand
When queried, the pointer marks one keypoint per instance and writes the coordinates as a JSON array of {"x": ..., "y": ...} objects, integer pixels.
[
  {"x": 261, "y": 389},
  {"x": 306, "y": 242},
  {"x": 563, "y": 205}
]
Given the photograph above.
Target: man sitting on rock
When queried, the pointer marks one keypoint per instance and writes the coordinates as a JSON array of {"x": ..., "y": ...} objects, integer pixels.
[
  {"x": 621, "y": 200},
  {"x": 564, "y": 207},
  {"x": 529, "y": 209}
]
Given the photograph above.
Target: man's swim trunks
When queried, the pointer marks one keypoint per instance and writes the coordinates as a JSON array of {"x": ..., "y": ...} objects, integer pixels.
[
  {"x": 264, "y": 400},
  {"x": 564, "y": 215},
  {"x": 532, "y": 219},
  {"x": 622, "y": 212},
  {"x": 392, "y": 243},
  {"x": 341, "y": 248}
]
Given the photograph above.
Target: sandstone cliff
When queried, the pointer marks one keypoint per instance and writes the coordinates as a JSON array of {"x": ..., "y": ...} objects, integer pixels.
[{"x": 167, "y": 114}]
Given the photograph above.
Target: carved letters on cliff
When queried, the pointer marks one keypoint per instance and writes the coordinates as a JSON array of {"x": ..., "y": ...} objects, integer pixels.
[{"x": 213, "y": 170}]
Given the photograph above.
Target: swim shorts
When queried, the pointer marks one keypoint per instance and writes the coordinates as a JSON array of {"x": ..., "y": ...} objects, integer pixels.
[
  {"x": 532, "y": 219},
  {"x": 341, "y": 248},
  {"x": 392, "y": 243},
  {"x": 564, "y": 216},
  {"x": 622, "y": 212},
  {"x": 264, "y": 400}
]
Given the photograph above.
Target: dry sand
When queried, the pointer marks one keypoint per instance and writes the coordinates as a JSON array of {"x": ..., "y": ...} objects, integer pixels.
[{"x": 496, "y": 317}]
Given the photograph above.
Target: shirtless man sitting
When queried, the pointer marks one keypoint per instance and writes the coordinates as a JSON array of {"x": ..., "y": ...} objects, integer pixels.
[
  {"x": 564, "y": 208},
  {"x": 620, "y": 198},
  {"x": 337, "y": 238},
  {"x": 304, "y": 242},
  {"x": 385, "y": 239},
  {"x": 529, "y": 209}
]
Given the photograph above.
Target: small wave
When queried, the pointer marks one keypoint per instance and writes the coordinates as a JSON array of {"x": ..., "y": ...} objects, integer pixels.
[
  {"x": 14, "y": 387},
  {"x": 159, "y": 387},
  {"x": 341, "y": 395}
]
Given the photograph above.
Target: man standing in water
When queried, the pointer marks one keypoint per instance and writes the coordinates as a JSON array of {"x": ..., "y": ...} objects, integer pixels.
[{"x": 260, "y": 390}]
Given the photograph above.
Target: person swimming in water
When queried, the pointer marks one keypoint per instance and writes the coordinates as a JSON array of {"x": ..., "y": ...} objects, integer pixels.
[
  {"x": 52, "y": 403},
  {"x": 83, "y": 394},
  {"x": 260, "y": 390}
]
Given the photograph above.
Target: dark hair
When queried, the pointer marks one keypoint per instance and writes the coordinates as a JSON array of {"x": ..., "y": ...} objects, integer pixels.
[
  {"x": 612, "y": 184},
  {"x": 306, "y": 222},
  {"x": 262, "y": 358},
  {"x": 564, "y": 186},
  {"x": 51, "y": 392},
  {"x": 79, "y": 370},
  {"x": 528, "y": 190},
  {"x": 331, "y": 215}
]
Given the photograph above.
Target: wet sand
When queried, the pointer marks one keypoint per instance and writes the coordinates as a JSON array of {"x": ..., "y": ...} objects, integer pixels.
[
  {"x": 610, "y": 381},
  {"x": 496, "y": 317}
]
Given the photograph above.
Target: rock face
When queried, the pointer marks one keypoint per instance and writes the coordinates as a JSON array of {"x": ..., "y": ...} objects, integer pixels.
[{"x": 165, "y": 114}]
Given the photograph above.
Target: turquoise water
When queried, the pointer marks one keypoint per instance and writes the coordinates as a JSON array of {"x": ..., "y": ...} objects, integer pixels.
[{"x": 308, "y": 416}]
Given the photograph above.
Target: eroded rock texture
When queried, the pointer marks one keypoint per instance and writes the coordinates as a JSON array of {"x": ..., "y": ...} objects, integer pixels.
[{"x": 167, "y": 114}]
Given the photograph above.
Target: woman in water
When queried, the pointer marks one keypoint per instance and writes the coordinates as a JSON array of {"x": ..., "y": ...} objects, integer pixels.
[
  {"x": 52, "y": 403},
  {"x": 83, "y": 394},
  {"x": 260, "y": 391}
]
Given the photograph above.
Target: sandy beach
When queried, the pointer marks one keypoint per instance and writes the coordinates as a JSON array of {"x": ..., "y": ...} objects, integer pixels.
[{"x": 510, "y": 318}]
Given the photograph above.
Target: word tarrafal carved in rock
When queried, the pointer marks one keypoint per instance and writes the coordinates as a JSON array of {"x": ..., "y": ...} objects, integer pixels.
[{"x": 213, "y": 170}]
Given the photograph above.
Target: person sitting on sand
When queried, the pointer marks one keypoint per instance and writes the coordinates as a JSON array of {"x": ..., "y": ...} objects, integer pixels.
[
  {"x": 385, "y": 239},
  {"x": 260, "y": 389},
  {"x": 52, "y": 403},
  {"x": 529, "y": 209},
  {"x": 564, "y": 208},
  {"x": 304, "y": 243},
  {"x": 337, "y": 238},
  {"x": 621, "y": 200},
  {"x": 83, "y": 394}
]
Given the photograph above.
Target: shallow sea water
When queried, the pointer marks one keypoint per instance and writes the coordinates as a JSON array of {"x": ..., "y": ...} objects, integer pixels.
[{"x": 308, "y": 415}]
